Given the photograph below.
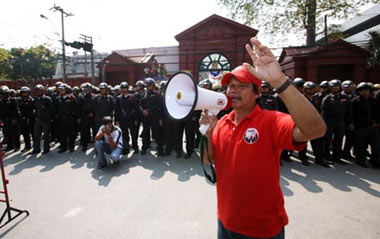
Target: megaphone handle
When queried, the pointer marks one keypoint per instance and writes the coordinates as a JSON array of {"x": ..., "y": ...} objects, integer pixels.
[{"x": 204, "y": 127}]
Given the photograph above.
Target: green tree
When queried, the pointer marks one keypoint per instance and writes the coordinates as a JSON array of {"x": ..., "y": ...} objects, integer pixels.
[
  {"x": 279, "y": 17},
  {"x": 5, "y": 64},
  {"x": 33, "y": 63},
  {"x": 374, "y": 48}
]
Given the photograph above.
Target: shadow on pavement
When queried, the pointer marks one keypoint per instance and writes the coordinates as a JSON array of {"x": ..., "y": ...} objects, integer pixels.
[{"x": 341, "y": 177}]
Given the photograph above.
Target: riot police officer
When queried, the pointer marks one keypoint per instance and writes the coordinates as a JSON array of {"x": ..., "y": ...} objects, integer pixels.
[
  {"x": 366, "y": 126},
  {"x": 138, "y": 93},
  {"x": 86, "y": 122},
  {"x": 150, "y": 112},
  {"x": 27, "y": 118},
  {"x": 9, "y": 115},
  {"x": 316, "y": 144},
  {"x": 44, "y": 115},
  {"x": 104, "y": 105},
  {"x": 266, "y": 100},
  {"x": 336, "y": 110},
  {"x": 66, "y": 117},
  {"x": 125, "y": 108},
  {"x": 348, "y": 90}
]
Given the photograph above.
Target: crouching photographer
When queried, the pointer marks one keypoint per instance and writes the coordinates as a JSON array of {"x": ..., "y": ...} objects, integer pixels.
[{"x": 108, "y": 140}]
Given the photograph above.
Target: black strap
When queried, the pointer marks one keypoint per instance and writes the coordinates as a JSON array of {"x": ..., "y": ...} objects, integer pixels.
[{"x": 210, "y": 178}]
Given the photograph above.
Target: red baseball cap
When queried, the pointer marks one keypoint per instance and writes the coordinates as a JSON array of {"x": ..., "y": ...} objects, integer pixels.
[{"x": 242, "y": 75}]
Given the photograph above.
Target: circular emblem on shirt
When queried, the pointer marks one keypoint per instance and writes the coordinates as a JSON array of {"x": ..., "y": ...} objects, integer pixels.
[{"x": 251, "y": 135}]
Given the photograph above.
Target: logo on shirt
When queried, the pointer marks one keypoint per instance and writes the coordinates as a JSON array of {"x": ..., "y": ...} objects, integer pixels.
[{"x": 251, "y": 135}]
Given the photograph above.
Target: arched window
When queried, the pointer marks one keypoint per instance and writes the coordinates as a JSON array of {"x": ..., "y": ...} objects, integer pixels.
[{"x": 213, "y": 66}]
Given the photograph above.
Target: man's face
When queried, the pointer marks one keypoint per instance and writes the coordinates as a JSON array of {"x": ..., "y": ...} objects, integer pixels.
[
  {"x": 150, "y": 87},
  {"x": 310, "y": 91},
  {"x": 24, "y": 94},
  {"x": 347, "y": 89},
  {"x": 241, "y": 94},
  {"x": 103, "y": 91},
  {"x": 301, "y": 89},
  {"x": 62, "y": 91},
  {"x": 364, "y": 93},
  {"x": 124, "y": 90},
  {"x": 264, "y": 90},
  {"x": 87, "y": 92},
  {"x": 324, "y": 89},
  {"x": 39, "y": 92},
  {"x": 335, "y": 89}
]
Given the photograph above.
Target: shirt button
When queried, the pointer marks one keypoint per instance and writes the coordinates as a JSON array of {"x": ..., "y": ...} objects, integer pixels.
[{"x": 233, "y": 128}]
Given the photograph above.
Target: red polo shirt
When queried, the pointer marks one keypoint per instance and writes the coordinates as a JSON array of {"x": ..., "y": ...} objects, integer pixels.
[{"x": 247, "y": 164}]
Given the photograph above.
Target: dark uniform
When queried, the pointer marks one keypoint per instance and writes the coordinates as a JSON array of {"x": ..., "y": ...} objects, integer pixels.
[
  {"x": 366, "y": 120},
  {"x": 9, "y": 115},
  {"x": 104, "y": 106},
  {"x": 137, "y": 117},
  {"x": 125, "y": 108},
  {"x": 44, "y": 115},
  {"x": 349, "y": 141},
  {"x": 66, "y": 117},
  {"x": 86, "y": 108},
  {"x": 266, "y": 100},
  {"x": 27, "y": 118},
  {"x": 336, "y": 110},
  {"x": 150, "y": 102}
]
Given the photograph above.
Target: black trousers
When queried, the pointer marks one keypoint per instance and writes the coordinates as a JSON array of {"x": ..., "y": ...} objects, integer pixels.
[
  {"x": 362, "y": 137},
  {"x": 334, "y": 136},
  {"x": 128, "y": 128},
  {"x": 39, "y": 128},
  {"x": 172, "y": 139},
  {"x": 317, "y": 146},
  {"x": 27, "y": 129},
  {"x": 190, "y": 130},
  {"x": 11, "y": 134},
  {"x": 85, "y": 130},
  {"x": 66, "y": 132},
  {"x": 150, "y": 123},
  {"x": 224, "y": 233}
]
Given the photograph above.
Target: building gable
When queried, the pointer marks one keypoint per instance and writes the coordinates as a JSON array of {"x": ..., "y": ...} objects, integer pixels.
[{"x": 215, "y": 27}]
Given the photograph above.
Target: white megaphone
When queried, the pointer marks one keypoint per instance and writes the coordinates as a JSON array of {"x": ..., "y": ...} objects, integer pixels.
[{"x": 183, "y": 96}]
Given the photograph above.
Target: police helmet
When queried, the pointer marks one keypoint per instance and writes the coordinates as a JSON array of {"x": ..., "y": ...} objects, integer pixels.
[
  {"x": 4, "y": 89},
  {"x": 376, "y": 86},
  {"x": 58, "y": 83},
  {"x": 76, "y": 89},
  {"x": 86, "y": 86},
  {"x": 39, "y": 87},
  {"x": 363, "y": 86},
  {"x": 205, "y": 83},
  {"x": 298, "y": 82},
  {"x": 63, "y": 86},
  {"x": 124, "y": 85},
  {"x": 309, "y": 85},
  {"x": 140, "y": 83},
  {"x": 51, "y": 89},
  {"x": 25, "y": 89},
  {"x": 335, "y": 82},
  {"x": 103, "y": 85},
  {"x": 324, "y": 84},
  {"x": 163, "y": 84},
  {"x": 264, "y": 84},
  {"x": 150, "y": 82},
  {"x": 117, "y": 87},
  {"x": 347, "y": 83},
  {"x": 12, "y": 92}
]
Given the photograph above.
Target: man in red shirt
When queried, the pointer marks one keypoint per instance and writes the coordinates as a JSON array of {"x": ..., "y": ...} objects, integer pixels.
[{"x": 246, "y": 144}]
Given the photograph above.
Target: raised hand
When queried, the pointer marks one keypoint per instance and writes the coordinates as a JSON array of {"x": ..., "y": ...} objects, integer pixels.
[{"x": 266, "y": 67}]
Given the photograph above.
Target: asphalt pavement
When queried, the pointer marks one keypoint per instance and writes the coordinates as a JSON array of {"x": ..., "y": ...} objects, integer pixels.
[{"x": 148, "y": 197}]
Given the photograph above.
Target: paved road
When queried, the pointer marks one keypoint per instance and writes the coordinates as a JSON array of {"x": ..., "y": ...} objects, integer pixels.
[{"x": 148, "y": 198}]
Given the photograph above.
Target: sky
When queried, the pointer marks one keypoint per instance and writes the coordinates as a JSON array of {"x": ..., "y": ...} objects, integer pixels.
[{"x": 113, "y": 24}]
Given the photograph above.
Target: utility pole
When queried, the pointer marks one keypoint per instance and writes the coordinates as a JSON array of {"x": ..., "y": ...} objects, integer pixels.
[
  {"x": 63, "y": 14},
  {"x": 88, "y": 39},
  {"x": 326, "y": 36}
]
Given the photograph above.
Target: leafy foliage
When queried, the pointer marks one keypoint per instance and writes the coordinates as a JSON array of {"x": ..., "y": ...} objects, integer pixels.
[
  {"x": 33, "y": 63},
  {"x": 374, "y": 48},
  {"x": 301, "y": 17},
  {"x": 5, "y": 64}
]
